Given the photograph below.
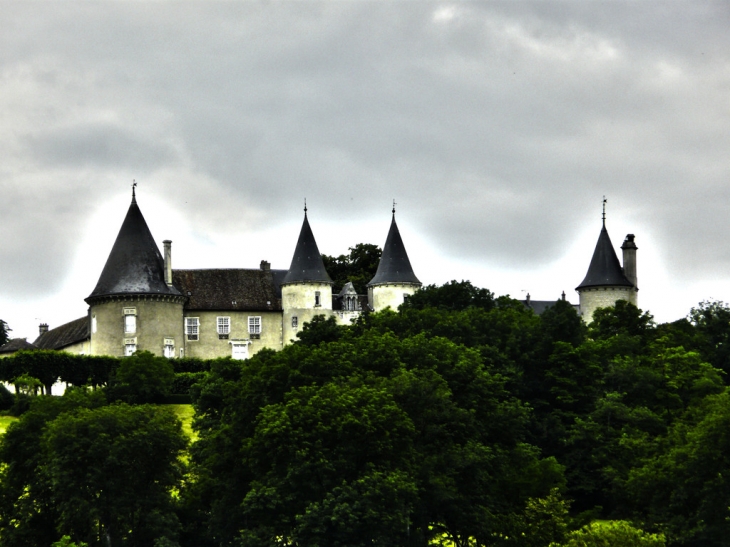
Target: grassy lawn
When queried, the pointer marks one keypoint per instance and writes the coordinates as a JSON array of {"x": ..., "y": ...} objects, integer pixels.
[
  {"x": 5, "y": 421},
  {"x": 185, "y": 414}
]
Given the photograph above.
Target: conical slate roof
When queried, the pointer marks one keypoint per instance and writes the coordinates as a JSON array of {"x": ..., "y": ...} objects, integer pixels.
[
  {"x": 605, "y": 269},
  {"x": 135, "y": 265},
  {"x": 306, "y": 264},
  {"x": 394, "y": 266}
]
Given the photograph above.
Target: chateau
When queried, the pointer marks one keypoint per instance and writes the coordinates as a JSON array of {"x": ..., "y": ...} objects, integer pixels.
[{"x": 141, "y": 303}]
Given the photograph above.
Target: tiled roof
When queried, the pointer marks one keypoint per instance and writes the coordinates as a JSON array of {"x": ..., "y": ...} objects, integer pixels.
[
  {"x": 605, "y": 269},
  {"x": 230, "y": 289},
  {"x": 65, "y": 335},
  {"x": 16, "y": 344},
  {"x": 394, "y": 266},
  {"x": 539, "y": 306},
  {"x": 135, "y": 265},
  {"x": 307, "y": 263}
]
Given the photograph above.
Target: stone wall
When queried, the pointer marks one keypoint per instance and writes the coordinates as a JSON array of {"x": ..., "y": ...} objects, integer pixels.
[
  {"x": 603, "y": 297},
  {"x": 389, "y": 295}
]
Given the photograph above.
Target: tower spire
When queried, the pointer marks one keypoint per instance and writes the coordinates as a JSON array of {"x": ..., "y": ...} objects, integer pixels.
[
  {"x": 604, "y": 211},
  {"x": 134, "y": 194},
  {"x": 394, "y": 204},
  {"x": 305, "y": 206}
]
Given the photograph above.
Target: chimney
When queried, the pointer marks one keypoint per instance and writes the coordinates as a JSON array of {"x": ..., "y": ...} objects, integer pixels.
[
  {"x": 168, "y": 262},
  {"x": 42, "y": 329},
  {"x": 563, "y": 295},
  {"x": 265, "y": 266},
  {"x": 629, "y": 248},
  {"x": 528, "y": 299}
]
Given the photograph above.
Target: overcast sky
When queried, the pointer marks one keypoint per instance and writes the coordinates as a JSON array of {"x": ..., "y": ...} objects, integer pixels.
[{"x": 496, "y": 126}]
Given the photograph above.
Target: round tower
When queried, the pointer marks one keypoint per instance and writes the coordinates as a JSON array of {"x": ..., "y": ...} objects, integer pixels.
[
  {"x": 606, "y": 281},
  {"x": 134, "y": 305},
  {"x": 306, "y": 290},
  {"x": 394, "y": 279}
]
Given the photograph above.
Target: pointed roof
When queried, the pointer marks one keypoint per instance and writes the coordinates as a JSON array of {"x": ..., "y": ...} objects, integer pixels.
[
  {"x": 306, "y": 264},
  {"x": 605, "y": 268},
  {"x": 394, "y": 266},
  {"x": 135, "y": 265}
]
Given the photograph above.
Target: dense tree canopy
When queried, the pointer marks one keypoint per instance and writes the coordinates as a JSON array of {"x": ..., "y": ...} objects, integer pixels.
[
  {"x": 4, "y": 332},
  {"x": 460, "y": 419},
  {"x": 358, "y": 266}
]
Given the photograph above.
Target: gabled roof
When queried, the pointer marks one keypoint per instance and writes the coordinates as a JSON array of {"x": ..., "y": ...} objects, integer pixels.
[
  {"x": 307, "y": 264},
  {"x": 64, "y": 335},
  {"x": 135, "y": 265},
  {"x": 230, "y": 289},
  {"x": 394, "y": 266},
  {"x": 605, "y": 268},
  {"x": 16, "y": 344}
]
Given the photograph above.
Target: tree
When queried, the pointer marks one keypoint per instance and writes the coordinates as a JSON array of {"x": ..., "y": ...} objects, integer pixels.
[
  {"x": 142, "y": 378},
  {"x": 454, "y": 295},
  {"x": 111, "y": 471},
  {"x": 623, "y": 318},
  {"x": 612, "y": 533},
  {"x": 28, "y": 511},
  {"x": 359, "y": 266},
  {"x": 4, "y": 330}
]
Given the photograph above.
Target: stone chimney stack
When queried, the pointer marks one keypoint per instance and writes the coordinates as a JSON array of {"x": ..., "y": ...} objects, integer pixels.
[
  {"x": 42, "y": 328},
  {"x": 265, "y": 266},
  {"x": 629, "y": 248},
  {"x": 168, "y": 262}
]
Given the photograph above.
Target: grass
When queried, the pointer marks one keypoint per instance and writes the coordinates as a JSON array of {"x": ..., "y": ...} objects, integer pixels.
[
  {"x": 5, "y": 421},
  {"x": 185, "y": 415}
]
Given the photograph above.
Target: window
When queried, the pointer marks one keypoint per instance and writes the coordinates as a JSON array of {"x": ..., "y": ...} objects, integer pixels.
[
  {"x": 130, "y": 320},
  {"x": 182, "y": 353},
  {"x": 224, "y": 327},
  {"x": 239, "y": 350},
  {"x": 130, "y": 346},
  {"x": 295, "y": 322},
  {"x": 93, "y": 324},
  {"x": 191, "y": 328},
  {"x": 254, "y": 326},
  {"x": 169, "y": 348},
  {"x": 317, "y": 299},
  {"x": 406, "y": 297}
]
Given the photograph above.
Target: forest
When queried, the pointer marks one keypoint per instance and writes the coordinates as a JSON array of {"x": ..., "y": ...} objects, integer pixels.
[{"x": 461, "y": 419}]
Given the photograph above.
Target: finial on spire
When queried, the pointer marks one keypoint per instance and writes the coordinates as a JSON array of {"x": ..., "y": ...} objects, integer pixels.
[
  {"x": 134, "y": 195},
  {"x": 305, "y": 206},
  {"x": 394, "y": 204},
  {"x": 604, "y": 211}
]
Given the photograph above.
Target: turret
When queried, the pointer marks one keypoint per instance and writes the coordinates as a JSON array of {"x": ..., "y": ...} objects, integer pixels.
[
  {"x": 306, "y": 290},
  {"x": 132, "y": 307},
  {"x": 394, "y": 279},
  {"x": 606, "y": 281}
]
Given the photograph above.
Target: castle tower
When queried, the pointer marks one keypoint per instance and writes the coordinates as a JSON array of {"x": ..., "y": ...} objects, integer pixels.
[
  {"x": 606, "y": 281},
  {"x": 394, "y": 279},
  {"x": 306, "y": 290},
  {"x": 134, "y": 305}
]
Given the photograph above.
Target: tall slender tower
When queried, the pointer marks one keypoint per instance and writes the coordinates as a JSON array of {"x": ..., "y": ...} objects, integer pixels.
[
  {"x": 394, "y": 279},
  {"x": 132, "y": 307},
  {"x": 606, "y": 281},
  {"x": 306, "y": 290}
]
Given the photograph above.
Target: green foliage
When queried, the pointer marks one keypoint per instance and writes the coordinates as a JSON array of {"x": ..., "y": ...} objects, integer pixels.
[
  {"x": 65, "y": 541},
  {"x": 190, "y": 365},
  {"x": 111, "y": 470},
  {"x": 183, "y": 381},
  {"x": 142, "y": 378},
  {"x": 359, "y": 267},
  {"x": 611, "y": 534},
  {"x": 621, "y": 319},
  {"x": 4, "y": 332},
  {"x": 320, "y": 329},
  {"x": 454, "y": 295}
]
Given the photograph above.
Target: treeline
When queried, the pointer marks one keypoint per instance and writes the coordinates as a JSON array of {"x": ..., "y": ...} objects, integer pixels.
[{"x": 460, "y": 419}]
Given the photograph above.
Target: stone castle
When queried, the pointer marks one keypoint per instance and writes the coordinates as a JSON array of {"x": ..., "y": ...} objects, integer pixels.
[{"x": 141, "y": 303}]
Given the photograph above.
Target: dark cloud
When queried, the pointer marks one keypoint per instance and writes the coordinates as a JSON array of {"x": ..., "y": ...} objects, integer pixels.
[{"x": 499, "y": 124}]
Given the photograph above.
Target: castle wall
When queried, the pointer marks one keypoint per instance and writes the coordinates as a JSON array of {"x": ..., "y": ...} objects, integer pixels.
[
  {"x": 389, "y": 295},
  {"x": 212, "y": 345},
  {"x": 603, "y": 297},
  {"x": 156, "y": 320},
  {"x": 79, "y": 348},
  {"x": 298, "y": 300}
]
